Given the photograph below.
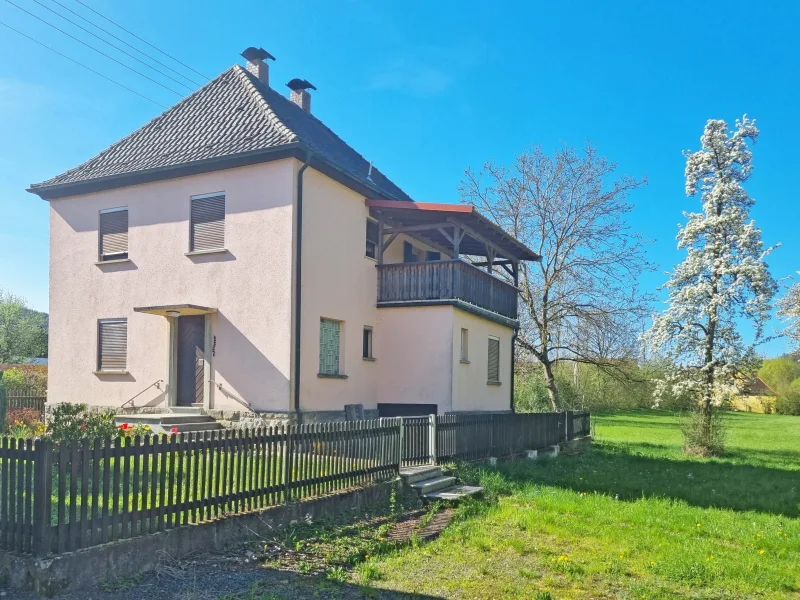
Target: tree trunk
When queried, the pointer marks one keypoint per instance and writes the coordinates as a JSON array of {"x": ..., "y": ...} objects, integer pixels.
[{"x": 550, "y": 381}]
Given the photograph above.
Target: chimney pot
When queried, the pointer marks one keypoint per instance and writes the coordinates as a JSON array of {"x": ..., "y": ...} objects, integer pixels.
[
  {"x": 300, "y": 94},
  {"x": 256, "y": 64}
]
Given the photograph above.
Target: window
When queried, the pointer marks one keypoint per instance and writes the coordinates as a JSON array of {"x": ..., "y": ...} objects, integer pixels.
[
  {"x": 372, "y": 238},
  {"x": 113, "y": 231},
  {"x": 366, "y": 351},
  {"x": 112, "y": 344},
  {"x": 494, "y": 360},
  {"x": 464, "y": 345},
  {"x": 329, "y": 346},
  {"x": 207, "y": 222},
  {"x": 431, "y": 256},
  {"x": 409, "y": 255}
]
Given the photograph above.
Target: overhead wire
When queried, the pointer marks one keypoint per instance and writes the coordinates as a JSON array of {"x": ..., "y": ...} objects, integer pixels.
[
  {"x": 136, "y": 58},
  {"x": 140, "y": 39},
  {"x": 53, "y": 50},
  {"x": 95, "y": 49},
  {"x": 119, "y": 39}
]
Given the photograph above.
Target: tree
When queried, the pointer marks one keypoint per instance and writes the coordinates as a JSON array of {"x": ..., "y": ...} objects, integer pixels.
[
  {"x": 23, "y": 332},
  {"x": 789, "y": 311},
  {"x": 724, "y": 279},
  {"x": 779, "y": 373},
  {"x": 581, "y": 302}
]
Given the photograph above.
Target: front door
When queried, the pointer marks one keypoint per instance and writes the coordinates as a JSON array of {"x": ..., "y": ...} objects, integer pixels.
[{"x": 191, "y": 353}]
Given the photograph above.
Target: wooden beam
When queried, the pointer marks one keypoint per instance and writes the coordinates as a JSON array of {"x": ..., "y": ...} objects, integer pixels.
[
  {"x": 480, "y": 237},
  {"x": 420, "y": 238},
  {"x": 497, "y": 263},
  {"x": 446, "y": 235},
  {"x": 490, "y": 253},
  {"x": 379, "y": 249},
  {"x": 392, "y": 238},
  {"x": 408, "y": 228}
]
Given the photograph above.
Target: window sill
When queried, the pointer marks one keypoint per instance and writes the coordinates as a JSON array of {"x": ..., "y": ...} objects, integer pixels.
[
  {"x": 100, "y": 373},
  {"x": 464, "y": 362},
  {"x": 494, "y": 383},
  {"x": 331, "y": 376},
  {"x": 369, "y": 358},
  {"x": 372, "y": 258},
  {"x": 202, "y": 252},
  {"x": 115, "y": 261}
]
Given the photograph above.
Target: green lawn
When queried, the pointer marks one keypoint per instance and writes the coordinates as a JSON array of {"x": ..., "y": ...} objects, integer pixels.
[{"x": 630, "y": 518}]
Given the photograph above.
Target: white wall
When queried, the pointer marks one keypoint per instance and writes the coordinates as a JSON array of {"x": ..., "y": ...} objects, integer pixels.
[
  {"x": 471, "y": 391},
  {"x": 250, "y": 286}
]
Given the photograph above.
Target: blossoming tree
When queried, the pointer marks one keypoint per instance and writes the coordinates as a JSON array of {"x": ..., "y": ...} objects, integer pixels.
[
  {"x": 789, "y": 310},
  {"x": 724, "y": 280}
]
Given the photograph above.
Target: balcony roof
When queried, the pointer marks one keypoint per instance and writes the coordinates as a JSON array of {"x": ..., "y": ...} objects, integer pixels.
[{"x": 431, "y": 222}]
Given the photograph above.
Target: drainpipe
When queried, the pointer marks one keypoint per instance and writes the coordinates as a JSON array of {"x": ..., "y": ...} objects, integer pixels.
[
  {"x": 513, "y": 366},
  {"x": 298, "y": 288}
]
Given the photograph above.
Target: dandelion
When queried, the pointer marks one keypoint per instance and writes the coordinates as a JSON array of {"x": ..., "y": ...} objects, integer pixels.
[
  {"x": 652, "y": 563},
  {"x": 779, "y": 532},
  {"x": 698, "y": 525},
  {"x": 762, "y": 551}
]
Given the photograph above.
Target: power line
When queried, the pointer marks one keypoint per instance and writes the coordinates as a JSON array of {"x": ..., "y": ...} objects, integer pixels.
[
  {"x": 81, "y": 64},
  {"x": 95, "y": 49},
  {"x": 107, "y": 32},
  {"x": 136, "y": 58},
  {"x": 140, "y": 39}
]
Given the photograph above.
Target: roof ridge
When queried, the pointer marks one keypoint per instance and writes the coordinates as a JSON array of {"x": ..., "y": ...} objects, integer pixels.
[
  {"x": 245, "y": 77},
  {"x": 109, "y": 148}
]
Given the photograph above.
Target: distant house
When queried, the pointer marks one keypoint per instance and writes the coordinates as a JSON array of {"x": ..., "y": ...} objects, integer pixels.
[
  {"x": 240, "y": 255},
  {"x": 756, "y": 396}
]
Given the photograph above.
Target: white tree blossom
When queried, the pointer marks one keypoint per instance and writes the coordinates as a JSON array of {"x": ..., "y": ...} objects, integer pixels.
[
  {"x": 724, "y": 279},
  {"x": 789, "y": 311}
]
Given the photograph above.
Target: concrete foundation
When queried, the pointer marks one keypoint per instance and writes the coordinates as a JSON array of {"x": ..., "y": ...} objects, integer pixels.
[{"x": 85, "y": 568}]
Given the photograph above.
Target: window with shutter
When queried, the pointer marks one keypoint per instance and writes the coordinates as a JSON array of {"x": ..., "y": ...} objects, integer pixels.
[
  {"x": 112, "y": 344},
  {"x": 372, "y": 238},
  {"x": 329, "y": 349},
  {"x": 494, "y": 360},
  {"x": 207, "y": 222},
  {"x": 113, "y": 231}
]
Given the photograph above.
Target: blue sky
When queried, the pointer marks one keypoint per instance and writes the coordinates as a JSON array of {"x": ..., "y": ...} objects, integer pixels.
[{"x": 426, "y": 90}]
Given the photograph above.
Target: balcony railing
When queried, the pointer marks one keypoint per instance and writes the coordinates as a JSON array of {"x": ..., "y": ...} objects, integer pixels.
[{"x": 445, "y": 281}]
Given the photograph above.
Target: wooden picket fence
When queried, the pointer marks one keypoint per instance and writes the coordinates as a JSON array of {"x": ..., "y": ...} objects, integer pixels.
[{"x": 59, "y": 497}]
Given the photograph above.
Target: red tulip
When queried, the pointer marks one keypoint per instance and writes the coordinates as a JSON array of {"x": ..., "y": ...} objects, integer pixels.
[{"x": 174, "y": 430}]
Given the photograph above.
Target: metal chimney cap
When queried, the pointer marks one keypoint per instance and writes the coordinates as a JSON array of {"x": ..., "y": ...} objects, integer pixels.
[
  {"x": 300, "y": 84},
  {"x": 253, "y": 54}
]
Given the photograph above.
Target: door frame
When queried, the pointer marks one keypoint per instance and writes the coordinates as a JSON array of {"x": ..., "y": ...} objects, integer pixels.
[{"x": 172, "y": 362}]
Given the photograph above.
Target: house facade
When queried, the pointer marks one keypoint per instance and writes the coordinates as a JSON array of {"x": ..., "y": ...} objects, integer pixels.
[{"x": 235, "y": 254}]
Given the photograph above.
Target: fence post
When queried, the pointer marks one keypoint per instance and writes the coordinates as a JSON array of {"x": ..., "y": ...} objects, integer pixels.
[
  {"x": 402, "y": 442},
  {"x": 432, "y": 438},
  {"x": 42, "y": 491},
  {"x": 3, "y": 405},
  {"x": 287, "y": 463}
]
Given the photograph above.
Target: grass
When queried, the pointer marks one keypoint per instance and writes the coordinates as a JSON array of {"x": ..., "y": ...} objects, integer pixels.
[{"x": 630, "y": 518}]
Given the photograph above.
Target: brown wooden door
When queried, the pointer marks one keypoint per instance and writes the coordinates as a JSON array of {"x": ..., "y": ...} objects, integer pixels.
[{"x": 191, "y": 351}]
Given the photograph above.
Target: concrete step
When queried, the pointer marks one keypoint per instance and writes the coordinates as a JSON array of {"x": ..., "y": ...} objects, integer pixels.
[
  {"x": 435, "y": 484},
  {"x": 414, "y": 474},
  {"x": 195, "y": 427},
  {"x": 187, "y": 410},
  {"x": 456, "y": 492},
  {"x": 164, "y": 418}
]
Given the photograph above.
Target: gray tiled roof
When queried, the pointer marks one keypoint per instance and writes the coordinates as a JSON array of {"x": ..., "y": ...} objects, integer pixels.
[{"x": 231, "y": 115}]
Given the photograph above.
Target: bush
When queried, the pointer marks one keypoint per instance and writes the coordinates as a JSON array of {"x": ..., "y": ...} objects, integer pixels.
[
  {"x": 788, "y": 402},
  {"x": 74, "y": 422},
  {"x": 13, "y": 378},
  {"x": 779, "y": 373},
  {"x": 24, "y": 423},
  {"x": 703, "y": 434}
]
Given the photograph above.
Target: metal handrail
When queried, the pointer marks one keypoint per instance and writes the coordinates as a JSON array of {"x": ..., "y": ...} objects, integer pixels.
[
  {"x": 230, "y": 394},
  {"x": 157, "y": 385}
]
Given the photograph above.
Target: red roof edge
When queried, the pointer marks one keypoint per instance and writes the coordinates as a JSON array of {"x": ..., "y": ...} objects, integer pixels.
[{"x": 405, "y": 205}]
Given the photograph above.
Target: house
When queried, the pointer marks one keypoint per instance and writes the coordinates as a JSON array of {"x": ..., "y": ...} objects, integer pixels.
[{"x": 235, "y": 254}]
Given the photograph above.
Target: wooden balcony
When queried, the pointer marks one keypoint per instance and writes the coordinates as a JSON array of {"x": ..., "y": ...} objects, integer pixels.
[{"x": 447, "y": 282}]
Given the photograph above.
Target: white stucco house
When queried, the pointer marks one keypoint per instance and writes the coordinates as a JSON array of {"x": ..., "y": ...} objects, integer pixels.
[{"x": 235, "y": 254}]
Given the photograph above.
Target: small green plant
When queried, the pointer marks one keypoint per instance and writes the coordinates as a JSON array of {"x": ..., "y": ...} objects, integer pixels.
[
  {"x": 369, "y": 572},
  {"x": 120, "y": 584},
  {"x": 337, "y": 574},
  {"x": 543, "y": 596},
  {"x": 304, "y": 567}
]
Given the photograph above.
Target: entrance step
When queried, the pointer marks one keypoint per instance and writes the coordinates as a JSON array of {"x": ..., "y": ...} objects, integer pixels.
[
  {"x": 456, "y": 492},
  {"x": 167, "y": 422},
  {"x": 414, "y": 474},
  {"x": 428, "y": 486}
]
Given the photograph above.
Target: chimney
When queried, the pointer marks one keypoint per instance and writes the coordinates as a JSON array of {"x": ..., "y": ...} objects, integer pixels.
[
  {"x": 300, "y": 94},
  {"x": 256, "y": 65}
]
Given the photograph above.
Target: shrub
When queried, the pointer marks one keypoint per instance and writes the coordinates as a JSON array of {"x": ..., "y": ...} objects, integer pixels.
[
  {"x": 24, "y": 423},
  {"x": 74, "y": 422},
  {"x": 703, "y": 434},
  {"x": 788, "y": 402},
  {"x": 13, "y": 378}
]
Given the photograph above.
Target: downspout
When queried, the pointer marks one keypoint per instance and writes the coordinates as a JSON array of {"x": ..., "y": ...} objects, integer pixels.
[
  {"x": 513, "y": 365},
  {"x": 298, "y": 288}
]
